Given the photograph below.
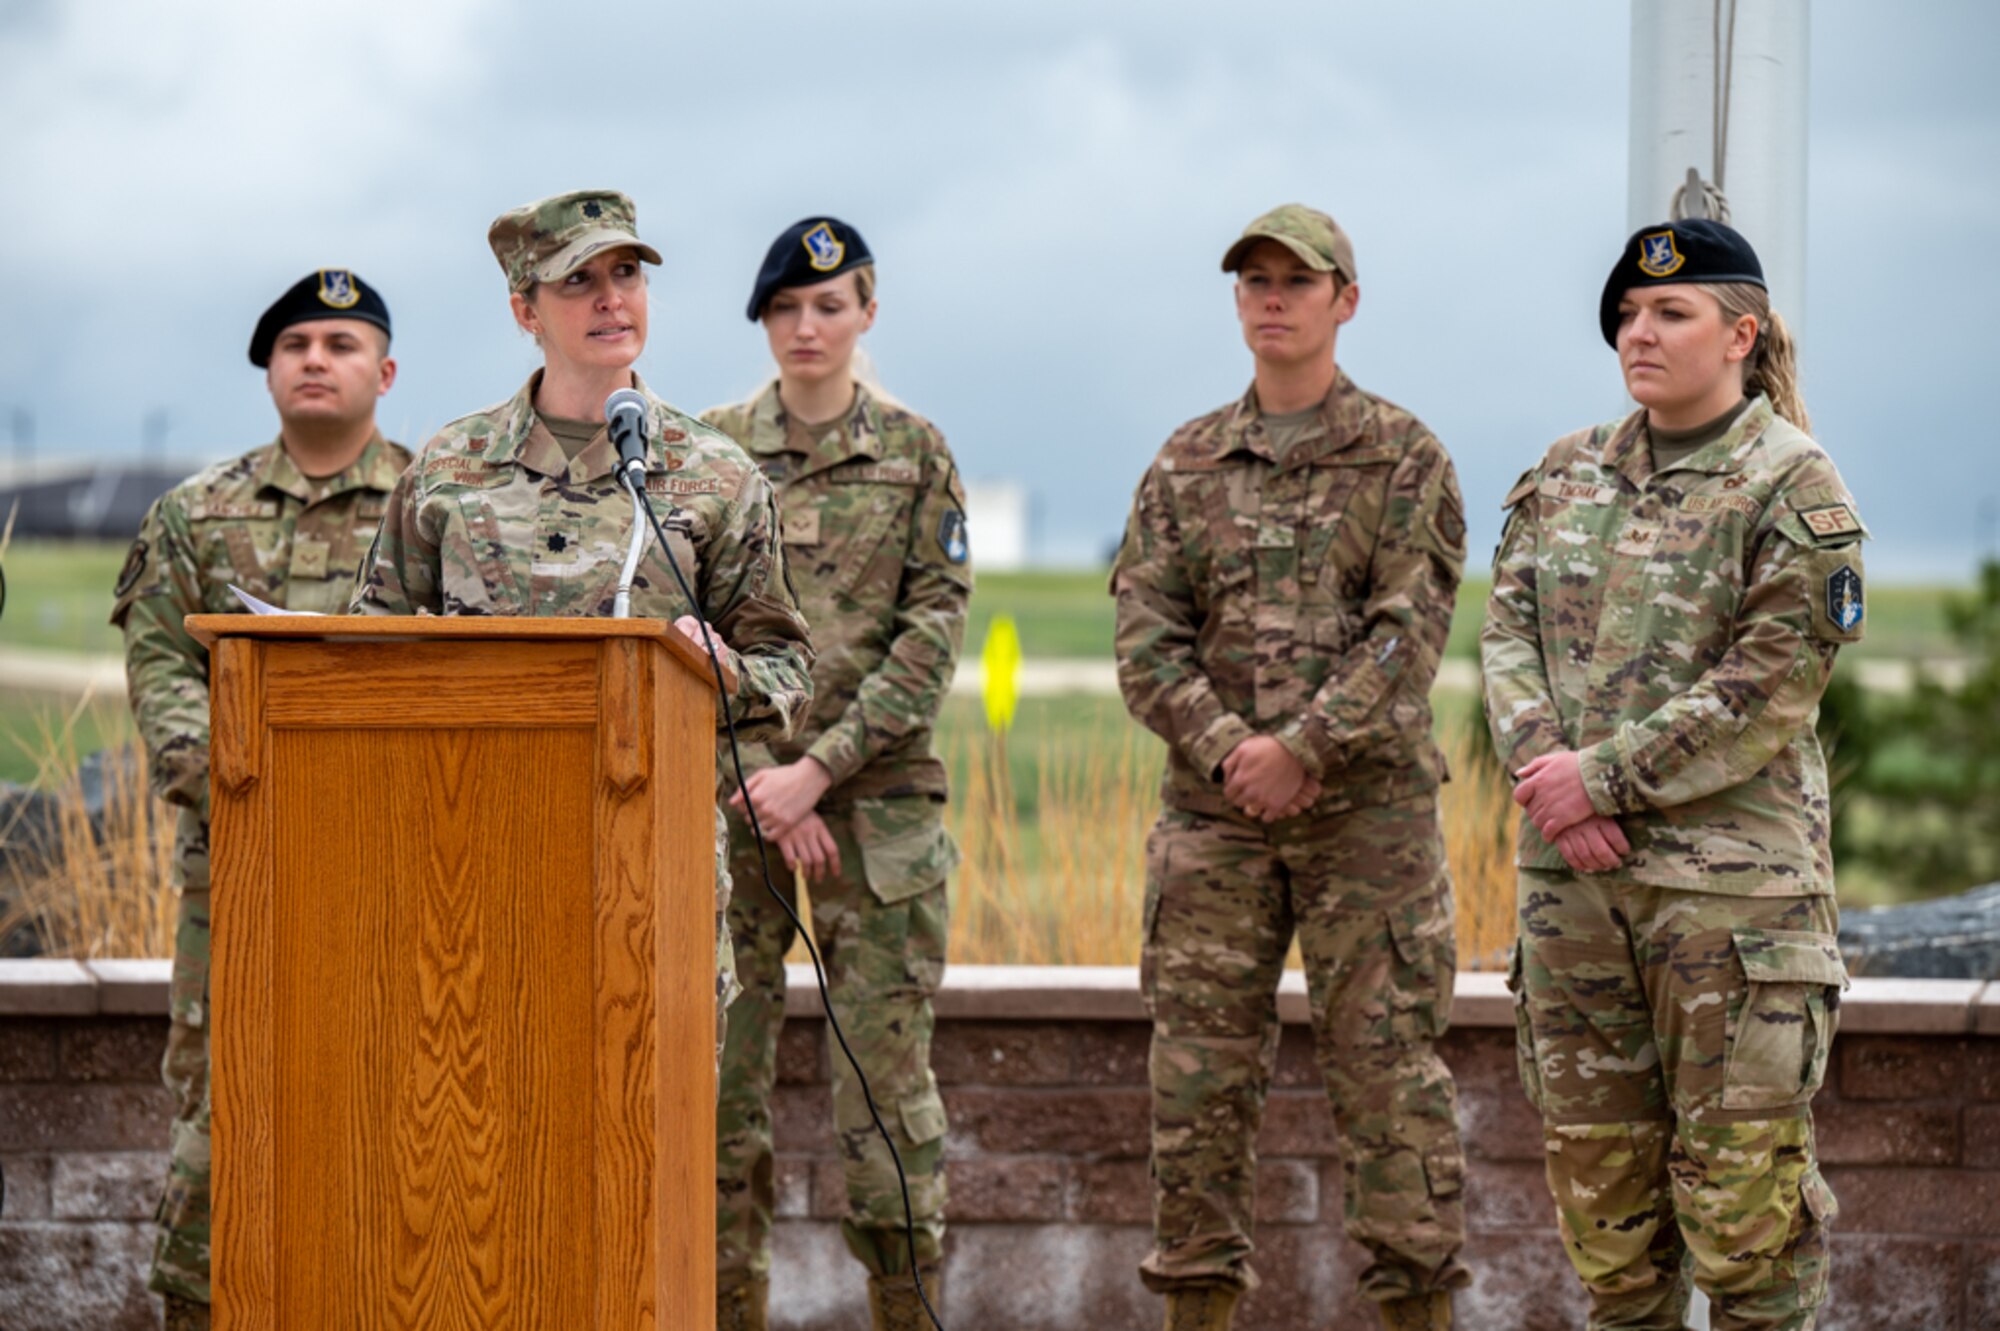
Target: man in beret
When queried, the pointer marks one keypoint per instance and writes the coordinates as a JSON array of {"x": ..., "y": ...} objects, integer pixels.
[
  {"x": 1284, "y": 591},
  {"x": 288, "y": 522}
]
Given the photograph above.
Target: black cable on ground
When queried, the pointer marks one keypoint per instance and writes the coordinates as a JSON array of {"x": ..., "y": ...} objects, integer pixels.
[{"x": 791, "y": 913}]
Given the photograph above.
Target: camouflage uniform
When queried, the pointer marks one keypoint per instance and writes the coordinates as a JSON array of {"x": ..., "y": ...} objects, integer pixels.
[
  {"x": 296, "y": 542},
  {"x": 875, "y": 541},
  {"x": 494, "y": 519},
  {"x": 1309, "y": 600},
  {"x": 1676, "y": 628}
]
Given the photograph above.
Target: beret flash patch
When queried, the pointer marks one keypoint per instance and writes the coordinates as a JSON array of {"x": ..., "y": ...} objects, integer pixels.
[
  {"x": 337, "y": 289},
  {"x": 1659, "y": 256},
  {"x": 824, "y": 251}
]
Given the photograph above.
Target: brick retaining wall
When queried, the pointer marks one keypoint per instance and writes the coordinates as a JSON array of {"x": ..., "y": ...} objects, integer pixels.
[{"x": 1045, "y": 1073}]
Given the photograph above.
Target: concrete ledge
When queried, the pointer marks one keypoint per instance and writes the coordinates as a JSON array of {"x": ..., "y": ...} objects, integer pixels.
[
  {"x": 132, "y": 987},
  {"x": 1873, "y": 1006},
  {"x": 43, "y": 988}
]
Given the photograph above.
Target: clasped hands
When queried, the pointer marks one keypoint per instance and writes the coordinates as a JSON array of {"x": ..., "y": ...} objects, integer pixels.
[
  {"x": 1261, "y": 777},
  {"x": 787, "y": 800},
  {"x": 1551, "y": 789}
]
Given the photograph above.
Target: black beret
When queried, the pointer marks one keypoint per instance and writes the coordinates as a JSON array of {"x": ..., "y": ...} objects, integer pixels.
[
  {"x": 807, "y": 252},
  {"x": 1695, "y": 250},
  {"x": 330, "y": 293}
]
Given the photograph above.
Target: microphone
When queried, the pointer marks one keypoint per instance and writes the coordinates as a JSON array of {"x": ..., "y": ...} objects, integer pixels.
[{"x": 625, "y": 414}]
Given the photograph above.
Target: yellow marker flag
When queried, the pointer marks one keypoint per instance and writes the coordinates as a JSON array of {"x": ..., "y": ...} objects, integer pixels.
[{"x": 1000, "y": 660}]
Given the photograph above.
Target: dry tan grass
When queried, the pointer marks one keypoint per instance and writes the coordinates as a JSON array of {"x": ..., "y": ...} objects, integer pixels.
[
  {"x": 1069, "y": 889},
  {"x": 99, "y": 892}
]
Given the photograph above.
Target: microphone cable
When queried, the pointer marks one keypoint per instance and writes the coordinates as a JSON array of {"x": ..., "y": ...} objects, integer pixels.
[{"x": 791, "y": 913}]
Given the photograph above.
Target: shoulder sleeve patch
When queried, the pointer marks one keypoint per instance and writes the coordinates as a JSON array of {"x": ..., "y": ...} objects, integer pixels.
[{"x": 1832, "y": 524}]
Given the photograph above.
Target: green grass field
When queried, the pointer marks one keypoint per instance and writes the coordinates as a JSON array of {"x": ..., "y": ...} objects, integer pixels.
[{"x": 58, "y": 596}]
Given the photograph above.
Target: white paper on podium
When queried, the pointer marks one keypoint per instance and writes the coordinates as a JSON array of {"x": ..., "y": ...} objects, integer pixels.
[{"x": 257, "y": 607}]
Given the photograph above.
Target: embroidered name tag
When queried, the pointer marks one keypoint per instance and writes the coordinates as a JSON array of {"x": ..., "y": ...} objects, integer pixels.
[
  {"x": 1578, "y": 492},
  {"x": 880, "y": 473},
  {"x": 264, "y": 508},
  {"x": 683, "y": 485},
  {"x": 1743, "y": 504},
  {"x": 1833, "y": 520}
]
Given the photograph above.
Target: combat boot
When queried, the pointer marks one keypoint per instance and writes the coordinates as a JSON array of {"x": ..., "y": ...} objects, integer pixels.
[
  {"x": 894, "y": 1305},
  {"x": 1418, "y": 1312},
  {"x": 185, "y": 1314},
  {"x": 744, "y": 1305},
  {"x": 1210, "y": 1307}
]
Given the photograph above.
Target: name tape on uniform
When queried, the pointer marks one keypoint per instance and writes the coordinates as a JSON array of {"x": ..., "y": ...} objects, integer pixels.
[{"x": 1578, "y": 492}]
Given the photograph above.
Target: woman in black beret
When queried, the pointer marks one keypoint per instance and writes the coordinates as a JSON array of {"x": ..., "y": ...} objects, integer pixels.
[
  {"x": 1668, "y": 597},
  {"x": 874, "y": 531}
]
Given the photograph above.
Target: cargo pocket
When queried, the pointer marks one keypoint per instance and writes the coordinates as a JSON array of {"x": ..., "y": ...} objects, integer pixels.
[
  {"x": 1779, "y": 1040},
  {"x": 922, "y": 1116},
  {"x": 1420, "y": 981},
  {"x": 905, "y": 849},
  {"x": 1524, "y": 1029}
]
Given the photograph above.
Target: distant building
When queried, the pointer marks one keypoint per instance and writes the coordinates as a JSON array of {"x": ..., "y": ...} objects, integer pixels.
[
  {"x": 996, "y": 518},
  {"x": 84, "y": 501}
]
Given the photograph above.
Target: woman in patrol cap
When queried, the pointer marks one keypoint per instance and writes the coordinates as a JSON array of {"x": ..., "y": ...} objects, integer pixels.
[
  {"x": 875, "y": 541},
  {"x": 516, "y": 510},
  {"x": 1668, "y": 597}
]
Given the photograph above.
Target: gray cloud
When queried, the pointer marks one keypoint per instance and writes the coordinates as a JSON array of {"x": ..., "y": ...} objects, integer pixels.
[{"x": 1048, "y": 188}]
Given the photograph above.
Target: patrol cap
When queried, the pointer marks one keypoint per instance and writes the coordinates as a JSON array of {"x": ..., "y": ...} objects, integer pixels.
[
  {"x": 804, "y": 253},
  {"x": 1692, "y": 250},
  {"x": 330, "y": 293},
  {"x": 1307, "y": 232},
  {"x": 548, "y": 240}
]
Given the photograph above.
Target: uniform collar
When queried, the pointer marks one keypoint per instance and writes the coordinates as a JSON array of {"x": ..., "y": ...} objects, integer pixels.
[
  {"x": 520, "y": 436},
  {"x": 1344, "y": 416},
  {"x": 859, "y": 434},
  {"x": 374, "y": 469},
  {"x": 1630, "y": 452}
]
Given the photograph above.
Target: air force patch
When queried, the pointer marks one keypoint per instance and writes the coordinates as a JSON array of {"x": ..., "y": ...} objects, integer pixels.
[
  {"x": 1844, "y": 607},
  {"x": 951, "y": 536},
  {"x": 1659, "y": 256},
  {"x": 337, "y": 289},
  {"x": 825, "y": 252}
]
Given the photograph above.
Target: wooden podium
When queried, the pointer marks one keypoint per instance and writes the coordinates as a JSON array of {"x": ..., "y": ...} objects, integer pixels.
[{"x": 463, "y": 994}]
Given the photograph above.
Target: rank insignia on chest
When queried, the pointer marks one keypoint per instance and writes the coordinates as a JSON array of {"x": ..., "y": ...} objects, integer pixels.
[
  {"x": 823, "y": 251},
  {"x": 1659, "y": 256},
  {"x": 1843, "y": 598},
  {"x": 951, "y": 536},
  {"x": 337, "y": 289}
]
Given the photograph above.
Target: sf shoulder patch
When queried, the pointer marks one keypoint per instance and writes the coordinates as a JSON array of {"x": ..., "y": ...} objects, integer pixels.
[
  {"x": 135, "y": 568},
  {"x": 1844, "y": 607},
  {"x": 1831, "y": 522},
  {"x": 951, "y": 536}
]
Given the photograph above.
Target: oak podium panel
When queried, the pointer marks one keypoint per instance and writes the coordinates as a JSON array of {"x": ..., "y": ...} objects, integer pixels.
[{"x": 463, "y": 987}]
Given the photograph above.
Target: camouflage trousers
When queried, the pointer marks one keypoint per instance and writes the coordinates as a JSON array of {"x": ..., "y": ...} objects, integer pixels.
[
  {"x": 180, "y": 1250},
  {"x": 1672, "y": 1042},
  {"x": 880, "y": 923},
  {"x": 1369, "y": 897}
]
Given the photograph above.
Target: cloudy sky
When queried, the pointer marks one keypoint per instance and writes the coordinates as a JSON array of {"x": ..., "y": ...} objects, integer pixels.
[{"x": 1047, "y": 186}]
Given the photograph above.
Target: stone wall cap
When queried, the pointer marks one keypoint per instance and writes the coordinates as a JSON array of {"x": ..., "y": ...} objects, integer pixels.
[
  {"x": 132, "y": 987},
  {"x": 42, "y": 987}
]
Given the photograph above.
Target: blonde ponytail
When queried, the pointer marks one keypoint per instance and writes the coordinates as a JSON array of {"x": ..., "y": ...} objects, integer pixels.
[{"x": 1773, "y": 366}]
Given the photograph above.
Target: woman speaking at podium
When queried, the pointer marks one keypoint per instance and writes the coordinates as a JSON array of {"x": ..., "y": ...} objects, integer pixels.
[
  {"x": 875, "y": 540},
  {"x": 517, "y": 510}
]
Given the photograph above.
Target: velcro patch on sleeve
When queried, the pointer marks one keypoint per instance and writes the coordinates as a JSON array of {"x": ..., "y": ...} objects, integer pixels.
[{"x": 1831, "y": 522}]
